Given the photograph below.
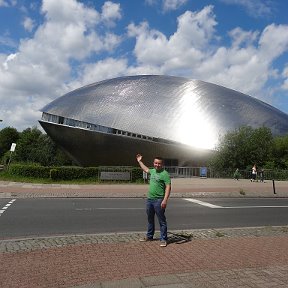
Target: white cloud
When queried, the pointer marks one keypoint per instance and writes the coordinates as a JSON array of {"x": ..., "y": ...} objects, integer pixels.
[
  {"x": 28, "y": 24},
  {"x": 6, "y": 40},
  {"x": 195, "y": 29},
  {"x": 67, "y": 11},
  {"x": 274, "y": 41},
  {"x": 151, "y": 2},
  {"x": 74, "y": 35},
  {"x": 246, "y": 65},
  {"x": 255, "y": 8},
  {"x": 41, "y": 69},
  {"x": 4, "y": 3},
  {"x": 111, "y": 12},
  {"x": 173, "y": 4},
  {"x": 151, "y": 45},
  {"x": 167, "y": 5},
  {"x": 185, "y": 46},
  {"x": 6, "y": 61},
  {"x": 285, "y": 76},
  {"x": 104, "y": 69},
  {"x": 240, "y": 37},
  {"x": 192, "y": 51}
]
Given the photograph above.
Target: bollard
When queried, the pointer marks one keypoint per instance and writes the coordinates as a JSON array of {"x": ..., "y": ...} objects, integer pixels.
[{"x": 273, "y": 186}]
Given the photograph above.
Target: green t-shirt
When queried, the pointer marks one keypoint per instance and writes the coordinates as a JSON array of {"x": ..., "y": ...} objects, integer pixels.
[{"x": 158, "y": 182}]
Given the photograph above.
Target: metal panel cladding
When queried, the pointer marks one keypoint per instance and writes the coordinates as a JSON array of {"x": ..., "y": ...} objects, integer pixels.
[{"x": 188, "y": 111}]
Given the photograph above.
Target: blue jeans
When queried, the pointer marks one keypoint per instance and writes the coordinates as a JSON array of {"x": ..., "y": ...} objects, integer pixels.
[{"x": 153, "y": 206}]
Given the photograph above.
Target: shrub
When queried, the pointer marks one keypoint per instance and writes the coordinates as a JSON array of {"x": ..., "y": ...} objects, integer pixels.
[{"x": 32, "y": 170}]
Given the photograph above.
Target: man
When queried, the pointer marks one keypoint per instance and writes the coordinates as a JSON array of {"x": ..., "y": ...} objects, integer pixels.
[{"x": 158, "y": 194}]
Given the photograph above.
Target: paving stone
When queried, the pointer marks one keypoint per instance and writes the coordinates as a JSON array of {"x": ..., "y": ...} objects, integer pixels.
[
  {"x": 126, "y": 283},
  {"x": 160, "y": 280},
  {"x": 96, "y": 285},
  {"x": 169, "y": 286}
]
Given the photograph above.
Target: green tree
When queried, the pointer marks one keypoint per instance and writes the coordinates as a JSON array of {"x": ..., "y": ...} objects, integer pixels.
[
  {"x": 48, "y": 154},
  {"x": 8, "y": 136},
  {"x": 28, "y": 145},
  {"x": 279, "y": 152},
  {"x": 35, "y": 147},
  {"x": 242, "y": 148}
]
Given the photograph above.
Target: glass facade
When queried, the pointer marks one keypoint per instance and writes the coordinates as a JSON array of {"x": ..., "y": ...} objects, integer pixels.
[{"x": 99, "y": 128}]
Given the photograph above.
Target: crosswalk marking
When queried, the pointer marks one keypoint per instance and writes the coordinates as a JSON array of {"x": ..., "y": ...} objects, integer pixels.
[
  {"x": 202, "y": 203},
  {"x": 3, "y": 209}
]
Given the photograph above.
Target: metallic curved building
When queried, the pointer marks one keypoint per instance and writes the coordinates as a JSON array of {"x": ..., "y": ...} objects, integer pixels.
[{"x": 109, "y": 122}]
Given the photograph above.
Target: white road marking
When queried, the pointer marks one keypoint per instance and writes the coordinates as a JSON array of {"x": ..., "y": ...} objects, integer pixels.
[
  {"x": 108, "y": 208},
  {"x": 244, "y": 207},
  {"x": 229, "y": 207},
  {"x": 202, "y": 203},
  {"x": 3, "y": 209}
]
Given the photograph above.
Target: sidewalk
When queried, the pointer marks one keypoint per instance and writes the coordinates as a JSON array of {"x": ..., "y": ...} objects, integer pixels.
[
  {"x": 246, "y": 257},
  {"x": 181, "y": 187},
  {"x": 222, "y": 258}
]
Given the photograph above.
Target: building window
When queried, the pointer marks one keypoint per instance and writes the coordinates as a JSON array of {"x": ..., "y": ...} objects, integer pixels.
[
  {"x": 84, "y": 125},
  {"x": 61, "y": 120}
]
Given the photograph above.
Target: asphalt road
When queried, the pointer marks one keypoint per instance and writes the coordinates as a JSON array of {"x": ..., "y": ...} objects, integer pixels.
[{"x": 46, "y": 217}]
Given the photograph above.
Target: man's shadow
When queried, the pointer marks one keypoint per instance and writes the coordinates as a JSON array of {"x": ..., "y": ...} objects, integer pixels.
[{"x": 179, "y": 238}]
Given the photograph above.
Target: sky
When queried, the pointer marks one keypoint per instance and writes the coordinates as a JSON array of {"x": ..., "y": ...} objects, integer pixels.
[{"x": 51, "y": 47}]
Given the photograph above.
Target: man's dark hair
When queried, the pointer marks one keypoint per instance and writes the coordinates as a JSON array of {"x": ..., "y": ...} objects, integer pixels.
[{"x": 159, "y": 158}]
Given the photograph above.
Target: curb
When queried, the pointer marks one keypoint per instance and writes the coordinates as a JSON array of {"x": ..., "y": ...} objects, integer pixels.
[{"x": 175, "y": 237}]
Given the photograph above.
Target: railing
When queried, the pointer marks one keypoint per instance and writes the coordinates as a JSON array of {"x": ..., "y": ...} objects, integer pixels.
[
  {"x": 131, "y": 174},
  {"x": 189, "y": 172},
  {"x": 184, "y": 172},
  {"x": 269, "y": 174}
]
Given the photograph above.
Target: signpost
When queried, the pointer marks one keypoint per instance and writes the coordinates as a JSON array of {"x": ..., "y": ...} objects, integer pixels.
[
  {"x": 12, "y": 149},
  {"x": 13, "y": 146},
  {"x": 104, "y": 175},
  {"x": 203, "y": 172}
]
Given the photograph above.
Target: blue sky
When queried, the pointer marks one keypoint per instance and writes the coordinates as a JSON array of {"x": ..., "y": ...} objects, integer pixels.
[{"x": 50, "y": 47}]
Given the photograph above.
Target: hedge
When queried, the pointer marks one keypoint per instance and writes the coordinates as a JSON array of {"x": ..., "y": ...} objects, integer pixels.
[{"x": 67, "y": 173}]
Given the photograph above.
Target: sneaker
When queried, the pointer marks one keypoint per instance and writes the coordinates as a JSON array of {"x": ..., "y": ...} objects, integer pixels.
[
  {"x": 146, "y": 239},
  {"x": 163, "y": 243}
]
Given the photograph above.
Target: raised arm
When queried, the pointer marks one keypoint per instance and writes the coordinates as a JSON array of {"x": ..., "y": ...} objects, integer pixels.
[{"x": 142, "y": 165}]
